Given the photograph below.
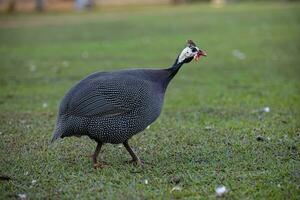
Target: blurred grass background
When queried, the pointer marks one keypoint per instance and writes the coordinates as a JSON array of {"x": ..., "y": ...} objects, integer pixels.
[{"x": 213, "y": 129}]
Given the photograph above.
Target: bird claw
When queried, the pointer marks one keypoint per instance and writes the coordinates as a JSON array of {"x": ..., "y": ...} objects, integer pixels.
[
  {"x": 135, "y": 162},
  {"x": 90, "y": 155},
  {"x": 100, "y": 165}
]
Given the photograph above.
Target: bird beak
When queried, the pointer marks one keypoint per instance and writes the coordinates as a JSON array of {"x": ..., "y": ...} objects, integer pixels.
[
  {"x": 199, "y": 54},
  {"x": 202, "y": 53}
]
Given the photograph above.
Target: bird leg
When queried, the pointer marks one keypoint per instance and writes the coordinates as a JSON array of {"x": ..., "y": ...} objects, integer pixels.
[
  {"x": 135, "y": 159},
  {"x": 95, "y": 155}
]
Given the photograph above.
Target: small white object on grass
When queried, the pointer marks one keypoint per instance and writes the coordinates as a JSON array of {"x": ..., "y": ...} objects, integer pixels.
[
  {"x": 266, "y": 109},
  {"x": 221, "y": 190},
  {"x": 65, "y": 63},
  {"x": 85, "y": 54},
  {"x": 33, "y": 182},
  {"x": 148, "y": 127},
  {"x": 146, "y": 181},
  {"x": 176, "y": 188},
  {"x": 22, "y": 196},
  {"x": 208, "y": 128},
  {"x": 238, "y": 54},
  {"x": 45, "y": 105},
  {"x": 32, "y": 67}
]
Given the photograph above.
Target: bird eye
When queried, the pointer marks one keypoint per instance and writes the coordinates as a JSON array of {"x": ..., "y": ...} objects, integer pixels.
[{"x": 194, "y": 50}]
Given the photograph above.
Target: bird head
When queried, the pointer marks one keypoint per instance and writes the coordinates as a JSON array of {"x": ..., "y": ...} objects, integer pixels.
[{"x": 190, "y": 52}]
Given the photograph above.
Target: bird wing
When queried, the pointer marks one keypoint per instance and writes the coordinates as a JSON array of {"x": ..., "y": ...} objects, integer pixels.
[
  {"x": 104, "y": 97},
  {"x": 94, "y": 103}
]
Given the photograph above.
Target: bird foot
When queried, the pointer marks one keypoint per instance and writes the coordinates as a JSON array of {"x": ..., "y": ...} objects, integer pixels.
[
  {"x": 100, "y": 165},
  {"x": 135, "y": 162}
]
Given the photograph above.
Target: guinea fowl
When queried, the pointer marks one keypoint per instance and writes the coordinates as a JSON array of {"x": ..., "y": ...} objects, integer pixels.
[{"x": 111, "y": 107}]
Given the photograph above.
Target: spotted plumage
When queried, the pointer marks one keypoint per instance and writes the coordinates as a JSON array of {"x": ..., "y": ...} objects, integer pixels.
[{"x": 111, "y": 107}]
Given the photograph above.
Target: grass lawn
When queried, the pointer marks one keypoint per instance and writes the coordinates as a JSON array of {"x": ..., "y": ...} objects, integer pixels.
[{"x": 213, "y": 129}]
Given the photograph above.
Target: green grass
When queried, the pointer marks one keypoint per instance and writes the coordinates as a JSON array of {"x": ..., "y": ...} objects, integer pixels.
[{"x": 207, "y": 133}]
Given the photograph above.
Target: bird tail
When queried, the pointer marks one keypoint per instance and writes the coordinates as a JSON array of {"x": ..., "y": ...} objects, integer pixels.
[{"x": 57, "y": 133}]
